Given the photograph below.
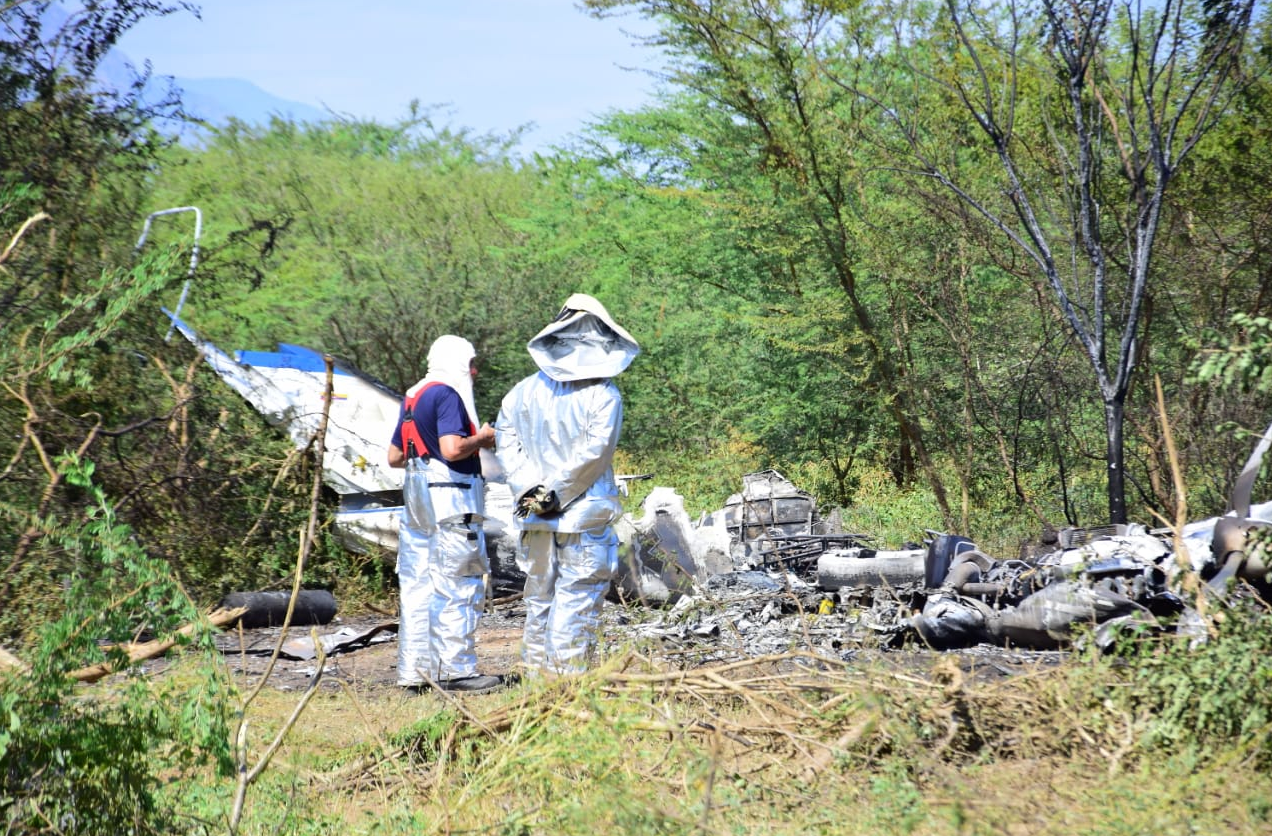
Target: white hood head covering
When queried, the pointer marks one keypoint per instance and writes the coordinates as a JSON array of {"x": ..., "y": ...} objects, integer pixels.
[
  {"x": 582, "y": 343},
  {"x": 449, "y": 358}
]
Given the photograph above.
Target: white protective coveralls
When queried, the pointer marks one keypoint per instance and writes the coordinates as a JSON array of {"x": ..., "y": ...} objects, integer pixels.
[
  {"x": 441, "y": 546},
  {"x": 558, "y": 430}
]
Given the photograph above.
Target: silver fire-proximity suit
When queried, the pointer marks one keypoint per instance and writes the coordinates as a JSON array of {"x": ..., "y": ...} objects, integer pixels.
[
  {"x": 441, "y": 547},
  {"x": 556, "y": 436}
]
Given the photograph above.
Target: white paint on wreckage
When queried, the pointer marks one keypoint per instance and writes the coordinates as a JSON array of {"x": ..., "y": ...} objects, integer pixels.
[{"x": 662, "y": 553}]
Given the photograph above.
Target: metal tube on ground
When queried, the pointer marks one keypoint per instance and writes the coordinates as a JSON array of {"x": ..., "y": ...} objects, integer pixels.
[
  {"x": 837, "y": 569},
  {"x": 268, "y": 609}
]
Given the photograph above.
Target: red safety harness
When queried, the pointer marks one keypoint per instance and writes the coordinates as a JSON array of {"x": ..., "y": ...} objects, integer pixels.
[{"x": 412, "y": 441}]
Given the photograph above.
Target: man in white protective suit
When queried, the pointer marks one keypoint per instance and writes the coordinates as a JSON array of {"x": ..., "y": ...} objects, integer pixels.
[
  {"x": 557, "y": 431},
  {"x": 442, "y": 557}
]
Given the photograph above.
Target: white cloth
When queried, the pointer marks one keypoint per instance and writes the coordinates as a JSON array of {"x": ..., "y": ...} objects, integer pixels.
[
  {"x": 449, "y": 361},
  {"x": 562, "y": 436},
  {"x": 583, "y": 343},
  {"x": 559, "y": 428}
]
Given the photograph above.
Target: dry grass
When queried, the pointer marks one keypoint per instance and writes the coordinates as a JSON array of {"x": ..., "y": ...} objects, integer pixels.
[{"x": 781, "y": 744}]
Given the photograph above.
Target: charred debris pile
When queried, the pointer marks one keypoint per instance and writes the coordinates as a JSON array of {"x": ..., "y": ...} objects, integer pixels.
[{"x": 766, "y": 574}]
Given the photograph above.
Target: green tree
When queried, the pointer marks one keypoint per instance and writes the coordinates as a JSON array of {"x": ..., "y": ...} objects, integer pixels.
[
  {"x": 774, "y": 151},
  {"x": 1132, "y": 92},
  {"x": 364, "y": 240},
  {"x": 73, "y": 160},
  {"x": 77, "y": 401},
  {"x": 1217, "y": 257},
  {"x": 971, "y": 188},
  {"x": 641, "y": 250}
]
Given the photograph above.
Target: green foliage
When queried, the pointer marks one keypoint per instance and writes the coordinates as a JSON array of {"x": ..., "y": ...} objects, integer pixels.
[
  {"x": 84, "y": 371},
  {"x": 1246, "y": 364},
  {"x": 704, "y": 478},
  {"x": 92, "y": 763},
  {"x": 365, "y": 241},
  {"x": 789, "y": 283},
  {"x": 891, "y": 514},
  {"x": 937, "y": 744},
  {"x": 1211, "y": 697},
  {"x": 56, "y": 352},
  {"x": 911, "y": 334},
  {"x": 423, "y": 738},
  {"x": 77, "y": 333},
  {"x": 83, "y": 149},
  {"x": 896, "y": 801},
  {"x": 802, "y": 302}
]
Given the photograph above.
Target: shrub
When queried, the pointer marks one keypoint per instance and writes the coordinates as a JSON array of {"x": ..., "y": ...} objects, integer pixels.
[{"x": 90, "y": 761}]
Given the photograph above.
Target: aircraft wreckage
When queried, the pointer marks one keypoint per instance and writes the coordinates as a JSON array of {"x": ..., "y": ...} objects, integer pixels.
[{"x": 770, "y": 539}]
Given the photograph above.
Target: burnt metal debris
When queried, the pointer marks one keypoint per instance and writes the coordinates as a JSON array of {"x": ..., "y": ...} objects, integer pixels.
[
  {"x": 1103, "y": 582},
  {"x": 800, "y": 551},
  {"x": 791, "y": 581},
  {"x": 832, "y": 586},
  {"x": 269, "y": 609}
]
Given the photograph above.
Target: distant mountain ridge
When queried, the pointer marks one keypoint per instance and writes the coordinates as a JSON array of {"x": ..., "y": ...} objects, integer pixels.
[
  {"x": 216, "y": 100},
  {"x": 213, "y": 100}
]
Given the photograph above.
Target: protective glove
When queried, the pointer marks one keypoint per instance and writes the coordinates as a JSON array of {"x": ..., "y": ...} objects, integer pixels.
[{"x": 538, "y": 500}]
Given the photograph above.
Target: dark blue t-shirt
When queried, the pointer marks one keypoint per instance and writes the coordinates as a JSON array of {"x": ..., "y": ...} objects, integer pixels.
[{"x": 440, "y": 411}]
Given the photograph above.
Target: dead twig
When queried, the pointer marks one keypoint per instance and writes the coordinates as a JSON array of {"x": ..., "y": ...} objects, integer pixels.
[
  {"x": 17, "y": 236},
  {"x": 246, "y": 776},
  {"x": 34, "y": 530},
  {"x": 149, "y": 650}
]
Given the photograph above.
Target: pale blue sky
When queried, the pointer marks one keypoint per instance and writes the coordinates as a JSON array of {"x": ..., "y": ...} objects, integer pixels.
[{"x": 495, "y": 64}]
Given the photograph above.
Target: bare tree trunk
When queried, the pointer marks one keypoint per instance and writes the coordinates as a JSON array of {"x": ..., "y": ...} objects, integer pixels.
[{"x": 1115, "y": 458}]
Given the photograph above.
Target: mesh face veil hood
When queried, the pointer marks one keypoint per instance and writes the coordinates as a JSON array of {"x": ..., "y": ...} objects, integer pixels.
[{"x": 582, "y": 343}]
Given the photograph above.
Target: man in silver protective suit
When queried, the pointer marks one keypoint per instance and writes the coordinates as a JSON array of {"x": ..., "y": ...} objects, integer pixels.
[
  {"x": 441, "y": 545},
  {"x": 557, "y": 431}
]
